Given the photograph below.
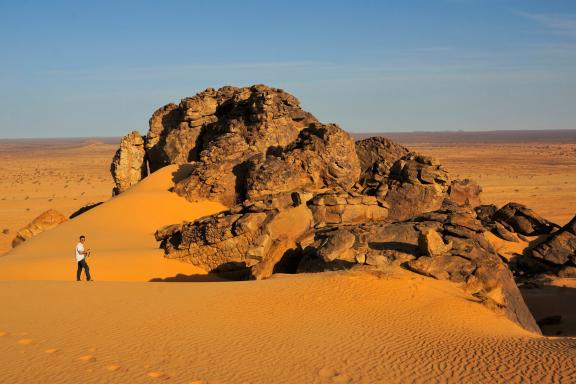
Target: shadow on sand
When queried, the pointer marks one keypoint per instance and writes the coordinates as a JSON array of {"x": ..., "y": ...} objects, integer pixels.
[
  {"x": 180, "y": 278},
  {"x": 552, "y": 307}
]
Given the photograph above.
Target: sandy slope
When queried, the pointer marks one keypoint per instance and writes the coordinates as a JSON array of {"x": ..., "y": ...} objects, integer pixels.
[
  {"x": 325, "y": 328},
  {"x": 120, "y": 232}
]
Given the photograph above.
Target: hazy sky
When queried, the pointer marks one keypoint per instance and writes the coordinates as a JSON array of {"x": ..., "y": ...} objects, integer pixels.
[{"x": 100, "y": 68}]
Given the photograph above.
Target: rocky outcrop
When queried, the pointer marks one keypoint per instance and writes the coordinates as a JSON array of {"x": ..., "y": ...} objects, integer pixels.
[
  {"x": 416, "y": 184},
  {"x": 447, "y": 244},
  {"x": 253, "y": 237},
  {"x": 218, "y": 130},
  {"x": 129, "y": 164},
  {"x": 406, "y": 182},
  {"x": 47, "y": 220},
  {"x": 559, "y": 249},
  {"x": 322, "y": 156},
  {"x": 523, "y": 220},
  {"x": 303, "y": 197}
]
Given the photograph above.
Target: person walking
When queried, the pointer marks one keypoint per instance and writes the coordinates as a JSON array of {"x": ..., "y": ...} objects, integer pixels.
[{"x": 81, "y": 255}]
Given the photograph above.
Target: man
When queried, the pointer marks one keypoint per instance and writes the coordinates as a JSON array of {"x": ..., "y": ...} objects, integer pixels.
[{"x": 81, "y": 255}]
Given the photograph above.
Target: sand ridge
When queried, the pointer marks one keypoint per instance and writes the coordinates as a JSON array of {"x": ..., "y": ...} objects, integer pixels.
[
  {"x": 353, "y": 327},
  {"x": 120, "y": 235}
]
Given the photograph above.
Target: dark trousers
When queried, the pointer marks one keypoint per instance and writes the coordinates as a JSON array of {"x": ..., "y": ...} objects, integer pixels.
[{"x": 82, "y": 264}]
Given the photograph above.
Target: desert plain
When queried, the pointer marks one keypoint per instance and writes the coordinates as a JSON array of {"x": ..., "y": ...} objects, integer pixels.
[{"x": 334, "y": 327}]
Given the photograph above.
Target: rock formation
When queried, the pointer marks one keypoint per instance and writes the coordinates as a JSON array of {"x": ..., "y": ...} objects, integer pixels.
[
  {"x": 129, "y": 163},
  {"x": 303, "y": 197},
  {"x": 45, "y": 221},
  {"x": 219, "y": 130},
  {"x": 559, "y": 250}
]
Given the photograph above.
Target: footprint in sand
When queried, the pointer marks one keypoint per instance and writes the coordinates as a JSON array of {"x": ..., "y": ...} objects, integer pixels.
[
  {"x": 327, "y": 372},
  {"x": 158, "y": 375},
  {"x": 334, "y": 375},
  {"x": 87, "y": 358},
  {"x": 25, "y": 342},
  {"x": 341, "y": 379},
  {"x": 51, "y": 350},
  {"x": 112, "y": 367}
]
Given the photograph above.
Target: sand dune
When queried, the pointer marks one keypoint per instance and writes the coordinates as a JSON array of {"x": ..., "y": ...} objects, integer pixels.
[
  {"x": 350, "y": 327},
  {"x": 121, "y": 237}
]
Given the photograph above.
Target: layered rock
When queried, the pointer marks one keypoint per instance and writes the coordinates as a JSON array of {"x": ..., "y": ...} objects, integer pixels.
[
  {"x": 416, "y": 184},
  {"x": 253, "y": 237},
  {"x": 219, "y": 130},
  {"x": 559, "y": 249},
  {"x": 129, "y": 164},
  {"x": 447, "y": 244},
  {"x": 303, "y": 197},
  {"x": 523, "y": 220},
  {"x": 322, "y": 156},
  {"x": 45, "y": 221}
]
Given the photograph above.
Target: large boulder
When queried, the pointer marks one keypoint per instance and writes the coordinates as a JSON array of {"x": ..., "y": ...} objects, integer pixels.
[
  {"x": 416, "y": 184},
  {"x": 129, "y": 164},
  {"x": 523, "y": 220},
  {"x": 45, "y": 221},
  {"x": 560, "y": 247},
  {"x": 323, "y": 156}
]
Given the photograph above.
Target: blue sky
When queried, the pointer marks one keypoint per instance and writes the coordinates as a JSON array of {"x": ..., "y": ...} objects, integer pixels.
[{"x": 100, "y": 68}]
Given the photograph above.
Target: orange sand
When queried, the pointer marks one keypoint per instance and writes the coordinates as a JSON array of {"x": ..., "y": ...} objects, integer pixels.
[
  {"x": 120, "y": 233},
  {"x": 325, "y": 328}
]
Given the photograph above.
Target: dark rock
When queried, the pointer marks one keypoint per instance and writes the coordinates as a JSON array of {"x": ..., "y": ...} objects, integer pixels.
[
  {"x": 523, "y": 220},
  {"x": 560, "y": 247},
  {"x": 501, "y": 231}
]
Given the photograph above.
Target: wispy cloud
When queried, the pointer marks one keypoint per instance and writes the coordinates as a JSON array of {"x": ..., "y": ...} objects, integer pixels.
[{"x": 560, "y": 24}]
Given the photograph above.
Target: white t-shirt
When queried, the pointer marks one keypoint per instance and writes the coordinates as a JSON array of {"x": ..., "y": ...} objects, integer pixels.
[{"x": 79, "y": 248}]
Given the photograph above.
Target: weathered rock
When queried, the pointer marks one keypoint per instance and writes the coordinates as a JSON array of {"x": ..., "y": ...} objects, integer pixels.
[
  {"x": 416, "y": 184},
  {"x": 343, "y": 208},
  {"x": 465, "y": 192},
  {"x": 485, "y": 214},
  {"x": 323, "y": 156},
  {"x": 47, "y": 220},
  {"x": 430, "y": 243},
  {"x": 377, "y": 155},
  {"x": 560, "y": 247},
  {"x": 523, "y": 220},
  {"x": 129, "y": 163},
  {"x": 304, "y": 198},
  {"x": 503, "y": 233},
  {"x": 255, "y": 238},
  {"x": 246, "y": 122}
]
